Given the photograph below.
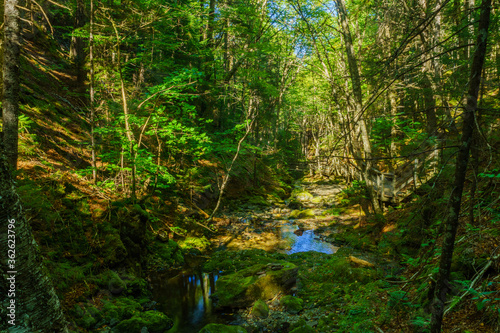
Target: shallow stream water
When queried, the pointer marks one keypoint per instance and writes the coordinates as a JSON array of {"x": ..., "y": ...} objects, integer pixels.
[{"x": 185, "y": 297}]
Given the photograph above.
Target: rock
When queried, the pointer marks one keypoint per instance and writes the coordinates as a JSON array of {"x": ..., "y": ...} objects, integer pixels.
[
  {"x": 113, "y": 252},
  {"x": 220, "y": 328},
  {"x": 243, "y": 288},
  {"x": 299, "y": 232},
  {"x": 317, "y": 200},
  {"x": 295, "y": 204},
  {"x": 292, "y": 304},
  {"x": 294, "y": 214},
  {"x": 116, "y": 284},
  {"x": 301, "y": 326},
  {"x": 154, "y": 321},
  {"x": 303, "y": 196},
  {"x": 302, "y": 214},
  {"x": 360, "y": 262},
  {"x": 275, "y": 266},
  {"x": 260, "y": 309}
]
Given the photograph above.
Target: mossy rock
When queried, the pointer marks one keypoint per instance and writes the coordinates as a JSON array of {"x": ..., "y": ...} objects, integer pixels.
[
  {"x": 83, "y": 317},
  {"x": 136, "y": 287},
  {"x": 295, "y": 204},
  {"x": 259, "y": 201},
  {"x": 302, "y": 214},
  {"x": 317, "y": 200},
  {"x": 220, "y": 328},
  {"x": 155, "y": 321},
  {"x": 260, "y": 309},
  {"x": 116, "y": 285},
  {"x": 120, "y": 308},
  {"x": 291, "y": 304},
  {"x": 165, "y": 254},
  {"x": 259, "y": 281},
  {"x": 302, "y": 196},
  {"x": 113, "y": 251}
]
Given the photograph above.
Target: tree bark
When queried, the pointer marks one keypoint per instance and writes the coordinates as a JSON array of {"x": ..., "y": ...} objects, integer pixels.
[
  {"x": 10, "y": 105},
  {"x": 37, "y": 306},
  {"x": 460, "y": 169}
]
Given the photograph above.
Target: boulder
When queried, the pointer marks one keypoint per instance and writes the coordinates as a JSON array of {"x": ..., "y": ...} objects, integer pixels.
[
  {"x": 303, "y": 196},
  {"x": 260, "y": 309},
  {"x": 302, "y": 214},
  {"x": 291, "y": 304},
  {"x": 260, "y": 281},
  {"x": 154, "y": 321}
]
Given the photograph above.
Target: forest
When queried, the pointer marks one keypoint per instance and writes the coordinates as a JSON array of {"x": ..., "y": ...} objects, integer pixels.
[{"x": 244, "y": 166}]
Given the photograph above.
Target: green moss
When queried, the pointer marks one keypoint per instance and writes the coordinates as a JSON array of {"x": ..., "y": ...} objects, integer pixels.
[
  {"x": 317, "y": 200},
  {"x": 294, "y": 214},
  {"x": 113, "y": 250},
  {"x": 302, "y": 214},
  {"x": 82, "y": 316},
  {"x": 259, "y": 201},
  {"x": 200, "y": 243},
  {"x": 242, "y": 288},
  {"x": 291, "y": 304},
  {"x": 219, "y": 328},
  {"x": 165, "y": 255},
  {"x": 302, "y": 195},
  {"x": 155, "y": 321},
  {"x": 120, "y": 308},
  {"x": 136, "y": 287},
  {"x": 67, "y": 273},
  {"x": 260, "y": 309},
  {"x": 116, "y": 284},
  {"x": 301, "y": 327}
]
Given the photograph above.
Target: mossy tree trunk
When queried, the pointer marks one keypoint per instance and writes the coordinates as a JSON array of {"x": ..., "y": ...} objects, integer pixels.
[{"x": 37, "y": 307}]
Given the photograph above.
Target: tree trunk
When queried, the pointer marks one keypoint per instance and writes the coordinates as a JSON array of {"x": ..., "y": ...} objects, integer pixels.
[
  {"x": 92, "y": 95},
  {"x": 128, "y": 129},
  {"x": 358, "y": 105},
  {"x": 30, "y": 293},
  {"x": 10, "y": 105},
  {"x": 76, "y": 50},
  {"x": 460, "y": 170}
]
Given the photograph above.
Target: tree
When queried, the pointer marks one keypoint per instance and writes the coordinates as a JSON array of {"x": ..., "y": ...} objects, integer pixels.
[
  {"x": 76, "y": 51},
  {"x": 37, "y": 307},
  {"x": 365, "y": 165},
  {"x": 469, "y": 125},
  {"x": 10, "y": 105}
]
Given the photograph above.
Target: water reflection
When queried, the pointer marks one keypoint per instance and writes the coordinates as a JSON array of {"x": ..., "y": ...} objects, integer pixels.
[
  {"x": 186, "y": 298},
  {"x": 304, "y": 240}
]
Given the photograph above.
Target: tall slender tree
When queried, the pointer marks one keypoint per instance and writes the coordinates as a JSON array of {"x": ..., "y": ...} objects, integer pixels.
[
  {"x": 10, "y": 105},
  {"x": 469, "y": 125}
]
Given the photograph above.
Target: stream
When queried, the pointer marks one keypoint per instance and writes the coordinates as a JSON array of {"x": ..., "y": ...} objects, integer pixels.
[{"x": 185, "y": 296}]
